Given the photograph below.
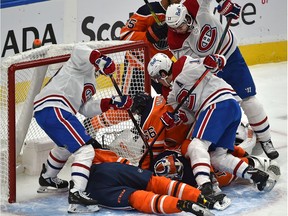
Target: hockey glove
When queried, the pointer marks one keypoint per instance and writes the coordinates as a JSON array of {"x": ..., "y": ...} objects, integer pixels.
[
  {"x": 229, "y": 9},
  {"x": 219, "y": 201},
  {"x": 170, "y": 120},
  {"x": 124, "y": 102},
  {"x": 214, "y": 62},
  {"x": 105, "y": 65},
  {"x": 156, "y": 32}
]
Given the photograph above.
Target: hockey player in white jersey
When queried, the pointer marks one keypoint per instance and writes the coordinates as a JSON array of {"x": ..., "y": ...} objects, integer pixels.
[
  {"x": 196, "y": 32},
  {"x": 70, "y": 91},
  {"x": 217, "y": 116}
]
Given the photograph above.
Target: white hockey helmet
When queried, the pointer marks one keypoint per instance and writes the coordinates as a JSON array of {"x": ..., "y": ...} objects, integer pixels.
[
  {"x": 159, "y": 63},
  {"x": 176, "y": 15}
]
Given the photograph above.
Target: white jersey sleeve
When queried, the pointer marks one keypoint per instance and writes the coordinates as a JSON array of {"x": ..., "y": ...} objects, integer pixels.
[
  {"x": 72, "y": 86},
  {"x": 210, "y": 90}
]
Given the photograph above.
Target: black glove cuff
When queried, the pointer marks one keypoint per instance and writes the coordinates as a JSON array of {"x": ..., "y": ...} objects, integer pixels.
[{"x": 94, "y": 143}]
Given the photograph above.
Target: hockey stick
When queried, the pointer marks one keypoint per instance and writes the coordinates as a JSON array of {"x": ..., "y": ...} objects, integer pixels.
[
  {"x": 189, "y": 92},
  {"x": 133, "y": 119},
  {"x": 152, "y": 12}
]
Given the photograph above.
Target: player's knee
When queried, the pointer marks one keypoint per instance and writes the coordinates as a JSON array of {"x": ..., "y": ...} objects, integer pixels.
[
  {"x": 218, "y": 156},
  {"x": 198, "y": 148},
  {"x": 86, "y": 152},
  {"x": 250, "y": 103},
  {"x": 60, "y": 153}
]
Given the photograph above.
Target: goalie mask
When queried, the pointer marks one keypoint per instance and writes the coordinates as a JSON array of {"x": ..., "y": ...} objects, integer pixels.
[
  {"x": 140, "y": 101},
  {"x": 170, "y": 167}
]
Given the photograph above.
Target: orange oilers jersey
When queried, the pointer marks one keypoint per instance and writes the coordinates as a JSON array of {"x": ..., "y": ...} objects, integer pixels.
[
  {"x": 105, "y": 155},
  {"x": 170, "y": 138},
  {"x": 136, "y": 27}
]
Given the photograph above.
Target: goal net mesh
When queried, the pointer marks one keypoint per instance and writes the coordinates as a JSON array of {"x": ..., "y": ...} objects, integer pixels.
[{"x": 23, "y": 76}]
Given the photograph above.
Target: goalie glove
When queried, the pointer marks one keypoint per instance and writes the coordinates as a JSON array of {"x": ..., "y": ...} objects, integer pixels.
[
  {"x": 214, "y": 201},
  {"x": 229, "y": 9},
  {"x": 102, "y": 63},
  {"x": 214, "y": 62}
]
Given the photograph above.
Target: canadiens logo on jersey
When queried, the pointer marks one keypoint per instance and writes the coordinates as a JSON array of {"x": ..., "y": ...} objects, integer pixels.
[
  {"x": 207, "y": 38},
  {"x": 88, "y": 91}
]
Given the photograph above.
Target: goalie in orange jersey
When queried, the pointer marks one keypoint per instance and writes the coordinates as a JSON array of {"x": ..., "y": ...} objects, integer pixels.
[{"x": 117, "y": 184}]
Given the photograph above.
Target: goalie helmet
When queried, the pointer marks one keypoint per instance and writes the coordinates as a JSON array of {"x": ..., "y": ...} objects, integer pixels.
[
  {"x": 140, "y": 100},
  {"x": 159, "y": 63},
  {"x": 176, "y": 14},
  {"x": 170, "y": 167}
]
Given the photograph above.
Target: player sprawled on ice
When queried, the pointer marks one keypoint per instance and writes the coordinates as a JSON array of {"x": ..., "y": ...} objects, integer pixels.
[
  {"x": 70, "y": 91},
  {"x": 194, "y": 31},
  {"x": 217, "y": 116},
  {"x": 123, "y": 186},
  {"x": 171, "y": 145}
]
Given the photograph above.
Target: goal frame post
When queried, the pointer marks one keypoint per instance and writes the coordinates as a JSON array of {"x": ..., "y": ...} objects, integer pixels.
[{"x": 12, "y": 155}]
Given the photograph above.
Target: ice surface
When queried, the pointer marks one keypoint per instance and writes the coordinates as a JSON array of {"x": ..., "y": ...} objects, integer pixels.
[{"x": 271, "y": 82}]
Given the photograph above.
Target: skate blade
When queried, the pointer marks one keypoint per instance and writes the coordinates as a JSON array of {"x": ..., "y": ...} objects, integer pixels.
[
  {"x": 274, "y": 172},
  {"x": 269, "y": 185},
  {"x": 226, "y": 202},
  {"x": 78, "y": 208},
  {"x": 47, "y": 189},
  {"x": 201, "y": 211}
]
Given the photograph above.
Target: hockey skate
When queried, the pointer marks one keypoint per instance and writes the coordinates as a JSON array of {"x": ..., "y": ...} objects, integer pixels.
[
  {"x": 206, "y": 188},
  {"x": 222, "y": 200},
  {"x": 51, "y": 185},
  {"x": 196, "y": 209},
  {"x": 80, "y": 202},
  {"x": 266, "y": 165},
  {"x": 261, "y": 179},
  {"x": 269, "y": 149}
]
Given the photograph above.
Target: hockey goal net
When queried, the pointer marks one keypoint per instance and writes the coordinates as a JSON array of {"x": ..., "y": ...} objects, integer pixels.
[{"x": 23, "y": 76}]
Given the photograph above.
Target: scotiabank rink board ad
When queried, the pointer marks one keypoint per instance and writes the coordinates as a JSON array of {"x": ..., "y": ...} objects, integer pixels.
[{"x": 65, "y": 21}]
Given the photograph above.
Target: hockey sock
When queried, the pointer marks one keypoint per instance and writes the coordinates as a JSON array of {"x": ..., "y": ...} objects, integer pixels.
[
  {"x": 162, "y": 185},
  {"x": 150, "y": 202}
]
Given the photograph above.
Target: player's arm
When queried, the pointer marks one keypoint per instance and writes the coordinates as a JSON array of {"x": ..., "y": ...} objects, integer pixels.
[{"x": 95, "y": 107}]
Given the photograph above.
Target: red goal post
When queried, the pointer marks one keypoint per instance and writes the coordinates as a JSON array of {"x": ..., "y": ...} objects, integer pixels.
[{"x": 23, "y": 76}]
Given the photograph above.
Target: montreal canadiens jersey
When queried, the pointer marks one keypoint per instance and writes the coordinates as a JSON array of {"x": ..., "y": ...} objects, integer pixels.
[
  {"x": 137, "y": 25},
  {"x": 186, "y": 71},
  {"x": 204, "y": 36},
  {"x": 71, "y": 89}
]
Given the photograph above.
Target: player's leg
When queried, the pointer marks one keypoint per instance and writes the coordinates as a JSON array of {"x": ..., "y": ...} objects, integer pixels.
[
  {"x": 224, "y": 161},
  {"x": 237, "y": 74},
  {"x": 67, "y": 132},
  {"x": 48, "y": 180},
  {"x": 209, "y": 128}
]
